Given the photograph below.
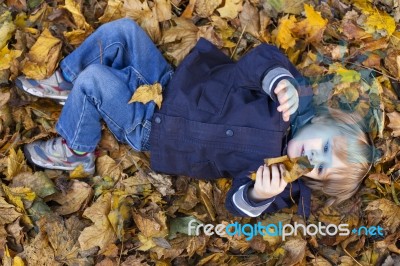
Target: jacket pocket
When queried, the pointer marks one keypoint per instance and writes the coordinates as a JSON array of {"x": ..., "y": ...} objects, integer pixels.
[
  {"x": 205, "y": 170},
  {"x": 213, "y": 96}
]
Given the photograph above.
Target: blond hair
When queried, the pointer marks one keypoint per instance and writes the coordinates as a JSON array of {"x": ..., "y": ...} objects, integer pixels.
[{"x": 356, "y": 153}]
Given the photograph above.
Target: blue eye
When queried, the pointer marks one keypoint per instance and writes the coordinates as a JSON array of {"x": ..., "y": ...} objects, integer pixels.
[
  {"x": 320, "y": 168},
  {"x": 326, "y": 147}
]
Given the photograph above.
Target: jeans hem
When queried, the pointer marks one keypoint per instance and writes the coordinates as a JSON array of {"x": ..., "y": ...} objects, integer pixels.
[{"x": 74, "y": 146}]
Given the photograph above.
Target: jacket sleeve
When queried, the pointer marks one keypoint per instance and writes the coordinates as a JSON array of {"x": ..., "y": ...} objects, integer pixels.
[{"x": 239, "y": 204}]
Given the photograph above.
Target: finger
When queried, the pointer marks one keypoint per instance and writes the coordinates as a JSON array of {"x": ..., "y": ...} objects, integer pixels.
[
  {"x": 266, "y": 177},
  {"x": 281, "y": 86},
  {"x": 276, "y": 176},
  {"x": 259, "y": 177},
  {"x": 285, "y": 95},
  {"x": 282, "y": 183},
  {"x": 292, "y": 109},
  {"x": 285, "y": 106}
]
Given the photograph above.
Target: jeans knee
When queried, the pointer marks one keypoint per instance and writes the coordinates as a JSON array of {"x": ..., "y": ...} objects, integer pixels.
[{"x": 119, "y": 27}]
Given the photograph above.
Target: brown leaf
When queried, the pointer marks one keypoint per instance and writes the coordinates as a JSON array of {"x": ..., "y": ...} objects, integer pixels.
[
  {"x": 163, "y": 10},
  {"x": 38, "y": 182},
  {"x": 230, "y": 9},
  {"x": 76, "y": 197},
  {"x": 106, "y": 166},
  {"x": 206, "y": 197},
  {"x": 394, "y": 124},
  {"x": 250, "y": 19},
  {"x": 205, "y": 8},
  {"x": 383, "y": 210},
  {"x": 16, "y": 164},
  {"x": 101, "y": 233},
  {"x": 8, "y": 213},
  {"x": 163, "y": 183},
  {"x": 381, "y": 178}
]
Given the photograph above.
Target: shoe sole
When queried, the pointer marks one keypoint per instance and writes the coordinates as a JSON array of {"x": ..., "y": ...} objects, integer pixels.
[
  {"x": 52, "y": 166},
  {"x": 37, "y": 93}
]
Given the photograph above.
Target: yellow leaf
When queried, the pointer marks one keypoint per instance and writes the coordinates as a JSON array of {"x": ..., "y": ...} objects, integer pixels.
[
  {"x": 147, "y": 242},
  {"x": 18, "y": 261},
  {"x": 283, "y": 34},
  {"x": 78, "y": 172},
  {"x": 120, "y": 212},
  {"x": 7, "y": 28},
  {"x": 77, "y": 36},
  {"x": 313, "y": 26},
  {"x": 231, "y": 9},
  {"x": 101, "y": 233},
  {"x": 75, "y": 9},
  {"x": 147, "y": 93},
  {"x": 224, "y": 30},
  {"x": 7, "y": 56},
  {"x": 377, "y": 21},
  {"x": 16, "y": 195},
  {"x": 43, "y": 56},
  {"x": 8, "y": 213},
  {"x": 15, "y": 163},
  {"x": 114, "y": 10},
  {"x": 346, "y": 75}
]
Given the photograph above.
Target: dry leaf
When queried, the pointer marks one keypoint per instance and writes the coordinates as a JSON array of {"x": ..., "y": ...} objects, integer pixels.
[
  {"x": 106, "y": 166},
  {"x": 8, "y": 213},
  {"x": 250, "y": 19},
  {"x": 295, "y": 167},
  {"x": 205, "y": 8},
  {"x": 147, "y": 93},
  {"x": 114, "y": 10},
  {"x": 284, "y": 36},
  {"x": 313, "y": 26},
  {"x": 39, "y": 67},
  {"x": 15, "y": 164},
  {"x": 163, "y": 10},
  {"x": 206, "y": 197},
  {"x": 231, "y": 9},
  {"x": 7, "y": 28},
  {"x": 7, "y": 57},
  {"x": 385, "y": 211},
  {"x": 394, "y": 123},
  {"x": 101, "y": 233},
  {"x": 72, "y": 200},
  {"x": 38, "y": 182}
]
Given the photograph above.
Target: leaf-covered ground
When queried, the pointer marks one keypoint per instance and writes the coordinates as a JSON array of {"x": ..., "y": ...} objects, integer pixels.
[{"x": 128, "y": 215}]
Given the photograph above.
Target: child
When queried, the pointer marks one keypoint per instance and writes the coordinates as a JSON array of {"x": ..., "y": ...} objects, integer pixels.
[{"x": 218, "y": 118}]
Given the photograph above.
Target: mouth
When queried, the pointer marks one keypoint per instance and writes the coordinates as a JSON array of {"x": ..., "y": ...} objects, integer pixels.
[{"x": 302, "y": 151}]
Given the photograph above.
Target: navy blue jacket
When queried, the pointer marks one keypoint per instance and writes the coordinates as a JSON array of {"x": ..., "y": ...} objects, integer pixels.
[{"x": 216, "y": 120}]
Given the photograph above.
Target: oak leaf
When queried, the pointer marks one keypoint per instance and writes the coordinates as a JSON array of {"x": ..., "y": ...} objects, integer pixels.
[{"x": 147, "y": 93}]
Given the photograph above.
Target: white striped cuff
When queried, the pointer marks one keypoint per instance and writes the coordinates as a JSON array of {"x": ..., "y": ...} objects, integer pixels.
[{"x": 245, "y": 207}]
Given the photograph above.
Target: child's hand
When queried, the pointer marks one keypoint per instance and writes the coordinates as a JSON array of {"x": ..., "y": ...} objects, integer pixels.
[
  {"x": 288, "y": 98},
  {"x": 269, "y": 182}
]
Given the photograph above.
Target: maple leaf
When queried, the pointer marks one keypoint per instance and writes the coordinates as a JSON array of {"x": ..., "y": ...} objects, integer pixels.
[
  {"x": 284, "y": 36},
  {"x": 313, "y": 26},
  {"x": 231, "y": 9},
  {"x": 147, "y": 93}
]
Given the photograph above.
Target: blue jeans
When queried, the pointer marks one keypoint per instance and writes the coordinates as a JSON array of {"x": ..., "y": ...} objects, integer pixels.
[{"x": 105, "y": 70}]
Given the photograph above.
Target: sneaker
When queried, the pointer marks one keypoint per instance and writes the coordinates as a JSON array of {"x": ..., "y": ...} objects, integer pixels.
[
  {"x": 54, "y": 87},
  {"x": 55, "y": 154}
]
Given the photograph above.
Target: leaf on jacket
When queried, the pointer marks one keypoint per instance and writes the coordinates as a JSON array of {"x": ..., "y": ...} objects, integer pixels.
[{"x": 147, "y": 93}]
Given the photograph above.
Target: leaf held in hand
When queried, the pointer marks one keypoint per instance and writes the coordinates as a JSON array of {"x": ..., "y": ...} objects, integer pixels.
[
  {"x": 295, "y": 167},
  {"x": 147, "y": 93}
]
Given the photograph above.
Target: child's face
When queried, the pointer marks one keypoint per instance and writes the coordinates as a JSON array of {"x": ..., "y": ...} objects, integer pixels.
[{"x": 316, "y": 142}]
